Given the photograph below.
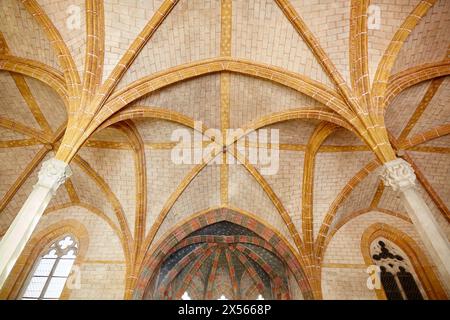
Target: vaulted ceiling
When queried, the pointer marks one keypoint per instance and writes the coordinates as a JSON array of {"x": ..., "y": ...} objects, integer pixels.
[{"x": 146, "y": 68}]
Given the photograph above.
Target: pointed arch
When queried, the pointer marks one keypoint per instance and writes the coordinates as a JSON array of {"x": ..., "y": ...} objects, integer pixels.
[
  {"x": 33, "y": 249},
  {"x": 421, "y": 264}
]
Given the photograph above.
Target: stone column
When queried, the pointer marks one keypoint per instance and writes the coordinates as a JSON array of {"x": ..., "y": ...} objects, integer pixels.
[
  {"x": 399, "y": 175},
  {"x": 52, "y": 174}
]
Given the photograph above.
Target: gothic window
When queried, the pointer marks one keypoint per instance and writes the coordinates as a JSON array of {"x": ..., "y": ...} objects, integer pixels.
[
  {"x": 390, "y": 286},
  {"x": 396, "y": 275},
  {"x": 51, "y": 270},
  {"x": 409, "y": 285}
]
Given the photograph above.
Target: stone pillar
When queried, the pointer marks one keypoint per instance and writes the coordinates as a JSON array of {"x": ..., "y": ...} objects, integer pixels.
[
  {"x": 399, "y": 175},
  {"x": 52, "y": 174}
]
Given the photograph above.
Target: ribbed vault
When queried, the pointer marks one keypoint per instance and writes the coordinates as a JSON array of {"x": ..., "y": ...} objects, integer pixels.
[{"x": 107, "y": 94}]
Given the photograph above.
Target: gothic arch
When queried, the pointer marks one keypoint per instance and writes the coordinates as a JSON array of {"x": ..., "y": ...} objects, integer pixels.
[
  {"x": 34, "y": 247},
  {"x": 419, "y": 261},
  {"x": 153, "y": 260}
]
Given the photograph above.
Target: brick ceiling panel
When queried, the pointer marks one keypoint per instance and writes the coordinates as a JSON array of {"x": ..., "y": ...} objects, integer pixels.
[
  {"x": 124, "y": 20},
  {"x": 443, "y": 142},
  {"x": 403, "y": 106},
  {"x": 252, "y": 98},
  {"x": 437, "y": 113},
  {"x": 390, "y": 200},
  {"x": 329, "y": 21},
  {"x": 12, "y": 208},
  {"x": 245, "y": 193},
  {"x": 428, "y": 42},
  {"x": 332, "y": 172},
  {"x": 343, "y": 137},
  {"x": 12, "y": 104},
  {"x": 13, "y": 161},
  {"x": 117, "y": 168},
  {"x": 69, "y": 18},
  {"x": 198, "y": 98},
  {"x": 436, "y": 169},
  {"x": 61, "y": 198},
  {"x": 202, "y": 193},
  {"x": 109, "y": 135},
  {"x": 89, "y": 193},
  {"x": 24, "y": 36},
  {"x": 392, "y": 15},
  {"x": 295, "y": 132},
  {"x": 163, "y": 178},
  {"x": 154, "y": 131},
  {"x": 10, "y": 135},
  {"x": 360, "y": 198},
  {"x": 190, "y": 32},
  {"x": 262, "y": 33},
  {"x": 49, "y": 103},
  {"x": 287, "y": 183}
]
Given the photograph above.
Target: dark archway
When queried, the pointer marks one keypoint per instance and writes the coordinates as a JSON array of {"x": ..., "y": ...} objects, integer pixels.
[{"x": 221, "y": 252}]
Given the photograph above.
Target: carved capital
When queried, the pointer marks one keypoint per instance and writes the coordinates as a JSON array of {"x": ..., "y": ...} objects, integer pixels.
[
  {"x": 398, "y": 174},
  {"x": 53, "y": 174}
]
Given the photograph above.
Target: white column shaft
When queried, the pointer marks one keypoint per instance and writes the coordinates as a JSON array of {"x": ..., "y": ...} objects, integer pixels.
[
  {"x": 429, "y": 230},
  {"x": 52, "y": 174},
  {"x": 399, "y": 175}
]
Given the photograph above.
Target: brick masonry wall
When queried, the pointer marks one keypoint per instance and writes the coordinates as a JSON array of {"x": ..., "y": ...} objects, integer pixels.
[
  {"x": 252, "y": 98},
  {"x": 329, "y": 21},
  {"x": 202, "y": 193},
  {"x": 119, "y": 173},
  {"x": 331, "y": 174},
  {"x": 13, "y": 160},
  {"x": 287, "y": 184},
  {"x": 10, "y": 211},
  {"x": 24, "y": 36},
  {"x": 437, "y": 113},
  {"x": 12, "y": 104},
  {"x": 103, "y": 271},
  {"x": 393, "y": 13},
  {"x": 428, "y": 41},
  {"x": 191, "y": 32},
  {"x": 61, "y": 13},
  {"x": 258, "y": 35},
  {"x": 124, "y": 20},
  {"x": 403, "y": 106},
  {"x": 49, "y": 102},
  {"x": 344, "y": 272},
  {"x": 197, "y": 98}
]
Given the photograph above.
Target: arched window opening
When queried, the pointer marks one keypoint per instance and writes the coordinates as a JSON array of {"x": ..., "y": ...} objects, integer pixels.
[
  {"x": 51, "y": 270},
  {"x": 396, "y": 275}
]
